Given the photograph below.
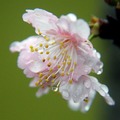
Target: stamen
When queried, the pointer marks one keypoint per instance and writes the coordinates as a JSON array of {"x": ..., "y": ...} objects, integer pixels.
[
  {"x": 54, "y": 57},
  {"x": 58, "y": 66},
  {"x": 53, "y": 75},
  {"x": 40, "y": 80},
  {"x": 36, "y": 49},
  {"x": 32, "y": 49},
  {"x": 37, "y": 83},
  {"x": 86, "y": 100},
  {"x": 49, "y": 64},
  {"x": 52, "y": 81},
  {"x": 47, "y": 80},
  {"x": 50, "y": 69},
  {"x": 46, "y": 46},
  {"x": 75, "y": 63},
  {"x": 39, "y": 32},
  {"x": 68, "y": 62},
  {"x": 46, "y": 38},
  {"x": 41, "y": 45},
  {"x": 43, "y": 60},
  {"x": 40, "y": 75},
  {"x": 70, "y": 81},
  {"x": 64, "y": 63},
  {"x": 41, "y": 52},
  {"x": 42, "y": 86},
  {"x": 45, "y": 77},
  {"x": 67, "y": 73},
  {"x": 71, "y": 70},
  {"x": 48, "y": 58},
  {"x": 62, "y": 74},
  {"x": 47, "y": 52}
]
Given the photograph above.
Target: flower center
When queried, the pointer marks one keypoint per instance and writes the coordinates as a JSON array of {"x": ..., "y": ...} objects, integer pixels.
[{"x": 60, "y": 60}]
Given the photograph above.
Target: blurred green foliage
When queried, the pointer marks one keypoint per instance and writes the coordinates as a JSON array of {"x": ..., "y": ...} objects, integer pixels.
[{"x": 17, "y": 100}]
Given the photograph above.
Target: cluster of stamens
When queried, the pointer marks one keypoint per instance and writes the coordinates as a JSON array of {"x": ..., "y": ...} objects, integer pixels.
[{"x": 57, "y": 58}]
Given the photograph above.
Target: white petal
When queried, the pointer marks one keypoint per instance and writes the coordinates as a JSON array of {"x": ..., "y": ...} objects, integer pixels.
[
  {"x": 109, "y": 100},
  {"x": 41, "y": 92},
  {"x": 72, "y": 17},
  {"x": 73, "y": 105},
  {"x": 28, "y": 73},
  {"x": 32, "y": 83},
  {"x": 40, "y": 19},
  {"x": 102, "y": 90},
  {"x": 87, "y": 84},
  {"x": 81, "y": 28},
  {"x": 15, "y": 47},
  {"x": 36, "y": 66},
  {"x": 65, "y": 94},
  {"x": 85, "y": 106}
]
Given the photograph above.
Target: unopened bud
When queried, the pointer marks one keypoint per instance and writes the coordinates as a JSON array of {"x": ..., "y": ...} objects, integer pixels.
[{"x": 95, "y": 25}]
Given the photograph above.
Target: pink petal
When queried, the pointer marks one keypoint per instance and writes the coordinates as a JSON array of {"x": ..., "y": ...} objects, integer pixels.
[
  {"x": 40, "y": 19},
  {"x": 36, "y": 66},
  {"x": 42, "y": 91},
  {"x": 81, "y": 28}
]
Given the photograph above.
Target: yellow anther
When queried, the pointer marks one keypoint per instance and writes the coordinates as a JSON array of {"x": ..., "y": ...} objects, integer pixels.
[
  {"x": 47, "y": 52},
  {"x": 46, "y": 45},
  {"x": 68, "y": 57},
  {"x": 53, "y": 75},
  {"x": 49, "y": 64},
  {"x": 63, "y": 52},
  {"x": 68, "y": 62},
  {"x": 40, "y": 75},
  {"x": 37, "y": 83},
  {"x": 43, "y": 60},
  {"x": 50, "y": 69},
  {"x": 52, "y": 81},
  {"x": 47, "y": 80},
  {"x": 58, "y": 66},
  {"x": 62, "y": 74},
  {"x": 39, "y": 32},
  {"x": 46, "y": 38},
  {"x": 61, "y": 43},
  {"x": 75, "y": 63},
  {"x": 32, "y": 49},
  {"x": 71, "y": 70},
  {"x": 41, "y": 52},
  {"x": 41, "y": 45},
  {"x": 40, "y": 80},
  {"x": 71, "y": 81},
  {"x": 53, "y": 42},
  {"x": 48, "y": 58},
  {"x": 62, "y": 68},
  {"x": 42, "y": 86},
  {"x": 67, "y": 73},
  {"x": 54, "y": 57},
  {"x": 36, "y": 49},
  {"x": 45, "y": 77},
  {"x": 64, "y": 63},
  {"x": 86, "y": 100},
  {"x": 60, "y": 47}
]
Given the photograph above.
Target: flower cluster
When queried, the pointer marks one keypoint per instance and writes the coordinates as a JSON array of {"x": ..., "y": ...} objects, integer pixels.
[{"x": 61, "y": 58}]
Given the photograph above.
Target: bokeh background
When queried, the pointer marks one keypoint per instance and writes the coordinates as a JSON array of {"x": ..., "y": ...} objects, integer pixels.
[{"x": 17, "y": 100}]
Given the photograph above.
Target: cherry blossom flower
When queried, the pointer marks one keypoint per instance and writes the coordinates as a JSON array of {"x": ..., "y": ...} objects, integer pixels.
[{"x": 61, "y": 58}]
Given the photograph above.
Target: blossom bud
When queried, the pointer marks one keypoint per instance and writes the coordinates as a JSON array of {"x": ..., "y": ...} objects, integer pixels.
[{"x": 95, "y": 25}]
